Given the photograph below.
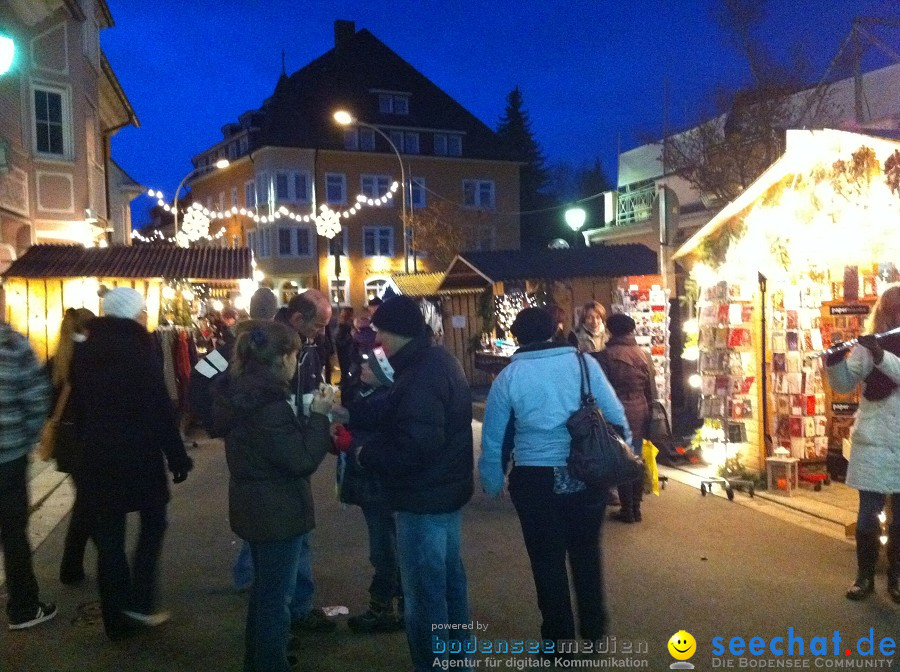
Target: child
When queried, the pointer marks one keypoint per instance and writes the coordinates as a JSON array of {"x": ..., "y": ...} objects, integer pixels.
[{"x": 363, "y": 488}]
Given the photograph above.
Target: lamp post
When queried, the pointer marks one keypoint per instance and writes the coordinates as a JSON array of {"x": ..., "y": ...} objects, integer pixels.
[
  {"x": 575, "y": 219},
  {"x": 221, "y": 163},
  {"x": 344, "y": 118},
  {"x": 7, "y": 51}
]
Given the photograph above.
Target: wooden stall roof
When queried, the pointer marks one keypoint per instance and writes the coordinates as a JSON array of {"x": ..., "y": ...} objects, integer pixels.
[
  {"x": 133, "y": 261},
  {"x": 473, "y": 271},
  {"x": 418, "y": 284}
]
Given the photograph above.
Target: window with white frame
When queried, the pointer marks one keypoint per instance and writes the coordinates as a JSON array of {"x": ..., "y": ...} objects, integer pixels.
[
  {"x": 393, "y": 103},
  {"x": 375, "y": 288},
  {"x": 264, "y": 196},
  {"x": 397, "y": 139},
  {"x": 221, "y": 201},
  {"x": 281, "y": 187},
  {"x": 367, "y": 139},
  {"x": 243, "y": 145},
  {"x": 479, "y": 194},
  {"x": 265, "y": 243},
  {"x": 249, "y": 194},
  {"x": 374, "y": 186},
  {"x": 351, "y": 139},
  {"x": 301, "y": 187},
  {"x": 335, "y": 188},
  {"x": 440, "y": 144},
  {"x": 411, "y": 142},
  {"x": 454, "y": 145},
  {"x": 52, "y": 135},
  {"x": 234, "y": 198},
  {"x": 294, "y": 241},
  {"x": 340, "y": 292},
  {"x": 378, "y": 241},
  {"x": 253, "y": 241},
  {"x": 417, "y": 187}
]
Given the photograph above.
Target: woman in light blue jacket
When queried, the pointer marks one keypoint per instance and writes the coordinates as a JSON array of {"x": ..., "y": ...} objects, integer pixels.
[
  {"x": 560, "y": 516},
  {"x": 874, "y": 467}
]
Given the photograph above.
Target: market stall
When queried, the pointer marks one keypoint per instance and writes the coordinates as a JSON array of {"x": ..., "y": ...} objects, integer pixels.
[
  {"x": 791, "y": 266},
  {"x": 485, "y": 290},
  {"x": 176, "y": 283}
]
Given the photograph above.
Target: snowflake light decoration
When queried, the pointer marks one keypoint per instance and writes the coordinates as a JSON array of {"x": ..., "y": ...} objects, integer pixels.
[
  {"x": 194, "y": 226},
  {"x": 328, "y": 223}
]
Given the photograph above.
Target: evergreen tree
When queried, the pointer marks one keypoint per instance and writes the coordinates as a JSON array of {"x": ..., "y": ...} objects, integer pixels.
[{"x": 519, "y": 144}]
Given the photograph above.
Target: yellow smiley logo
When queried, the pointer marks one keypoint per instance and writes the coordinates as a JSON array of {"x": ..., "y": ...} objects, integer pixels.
[{"x": 682, "y": 645}]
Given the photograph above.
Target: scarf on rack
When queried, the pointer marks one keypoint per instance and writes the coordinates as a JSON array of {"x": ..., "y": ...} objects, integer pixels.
[{"x": 878, "y": 385}]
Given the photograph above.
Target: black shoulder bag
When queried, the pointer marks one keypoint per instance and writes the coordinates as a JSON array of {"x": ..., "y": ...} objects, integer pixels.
[{"x": 599, "y": 456}]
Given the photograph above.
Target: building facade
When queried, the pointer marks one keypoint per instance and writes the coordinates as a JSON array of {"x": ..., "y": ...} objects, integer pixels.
[
  {"x": 289, "y": 158},
  {"x": 60, "y": 103}
]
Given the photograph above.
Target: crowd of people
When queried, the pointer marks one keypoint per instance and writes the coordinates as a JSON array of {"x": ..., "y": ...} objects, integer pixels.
[{"x": 400, "y": 422}]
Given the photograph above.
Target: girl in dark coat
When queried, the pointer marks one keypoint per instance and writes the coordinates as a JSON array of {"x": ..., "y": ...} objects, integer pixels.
[
  {"x": 271, "y": 457},
  {"x": 126, "y": 426},
  {"x": 630, "y": 371}
]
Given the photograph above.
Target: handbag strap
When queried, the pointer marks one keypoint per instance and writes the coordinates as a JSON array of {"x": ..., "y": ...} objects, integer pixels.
[{"x": 585, "y": 387}]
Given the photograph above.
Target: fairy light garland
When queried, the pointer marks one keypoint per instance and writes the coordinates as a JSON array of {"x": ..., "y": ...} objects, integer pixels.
[{"x": 327, "y": 221}]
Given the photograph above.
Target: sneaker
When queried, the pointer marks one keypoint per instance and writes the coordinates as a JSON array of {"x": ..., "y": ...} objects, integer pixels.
[
  {"x": 375, "y": 620},
  {"x": 150, "y": 620},
  {"x": 45, "y": 611},
  {"x": 314, "y": 621}
]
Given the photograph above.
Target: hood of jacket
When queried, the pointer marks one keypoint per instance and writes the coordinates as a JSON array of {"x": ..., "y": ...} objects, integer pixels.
[{"x": 256, "y": 387}]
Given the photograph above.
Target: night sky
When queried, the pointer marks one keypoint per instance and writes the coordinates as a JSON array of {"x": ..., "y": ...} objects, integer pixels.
[{"x": 593, "y": 72}]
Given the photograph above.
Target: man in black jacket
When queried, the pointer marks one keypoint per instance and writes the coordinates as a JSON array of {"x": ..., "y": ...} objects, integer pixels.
[{"x": 423, "y": 451}]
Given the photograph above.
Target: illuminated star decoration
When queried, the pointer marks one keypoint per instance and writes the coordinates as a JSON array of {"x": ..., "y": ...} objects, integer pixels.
[
  {"x": 328, "y": 222},
  {"x": 194, "y": 226}
]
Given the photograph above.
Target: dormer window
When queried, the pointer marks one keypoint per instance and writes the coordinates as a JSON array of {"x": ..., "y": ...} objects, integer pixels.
[{"x": 393, "y": 103}]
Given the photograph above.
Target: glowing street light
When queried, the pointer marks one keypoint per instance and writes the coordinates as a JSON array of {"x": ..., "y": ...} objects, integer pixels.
[
  {"x": 7, "y": 52},
  {"x": 575, "y": 219},
  {"x": 221, "y": 163},
  {"x": 344, "y": 118}
]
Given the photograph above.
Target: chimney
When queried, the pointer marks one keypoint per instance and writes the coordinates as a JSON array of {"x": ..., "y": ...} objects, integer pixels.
[{"x": 343, "y": 31}]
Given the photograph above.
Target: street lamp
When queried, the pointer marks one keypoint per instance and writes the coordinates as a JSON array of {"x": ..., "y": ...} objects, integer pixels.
[
  {"x": 344, "y": 118},
  {"x": 575, "y": 219},
  {"x": 221, "y": 163},
  {"x": 7, "y": 53}
]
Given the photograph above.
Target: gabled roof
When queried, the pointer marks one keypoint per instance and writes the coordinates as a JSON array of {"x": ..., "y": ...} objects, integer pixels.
[
  {"x": 300, "y": 111},
  {"x": 133, "y": 261},
  {"x": 473, "y": 270},
  {"x": 418, "y": 284}
]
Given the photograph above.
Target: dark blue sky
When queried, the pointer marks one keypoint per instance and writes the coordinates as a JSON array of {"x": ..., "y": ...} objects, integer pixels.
[{"x": 592, "y": 72}]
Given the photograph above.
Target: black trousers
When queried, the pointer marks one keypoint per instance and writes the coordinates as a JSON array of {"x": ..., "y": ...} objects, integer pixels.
[
  {"x": 21, "y": 584},
  {"x": 122, "y": 587},
  {"x": 78, "y": 533},
  {"x": 557, "y": 526}
]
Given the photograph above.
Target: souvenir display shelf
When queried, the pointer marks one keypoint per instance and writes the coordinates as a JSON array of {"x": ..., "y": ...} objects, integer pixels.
[{"x": 648, "y": 306}]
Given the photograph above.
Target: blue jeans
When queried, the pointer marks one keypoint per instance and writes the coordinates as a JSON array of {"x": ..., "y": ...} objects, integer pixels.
[
  {"x": 302, "y": 599},
  {"x": 434, "y": 582},
  {"x": 385, "y": 584},
  {"x": 275, "y": 566}
]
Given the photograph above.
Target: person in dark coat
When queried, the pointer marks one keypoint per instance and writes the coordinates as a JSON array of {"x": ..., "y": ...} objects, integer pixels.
[
  {"x": 127, "y": 433},
  {"x": 630, "y": 371},
  {"x": 366, "y": 401},
  {"x": 271, "y": 455},
  {"x": 423, "y": 452},
  {"x": 64, "y": 447}
]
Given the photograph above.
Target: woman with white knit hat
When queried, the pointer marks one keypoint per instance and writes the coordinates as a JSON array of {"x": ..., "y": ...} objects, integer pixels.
[{"x": 128, "y": 434}]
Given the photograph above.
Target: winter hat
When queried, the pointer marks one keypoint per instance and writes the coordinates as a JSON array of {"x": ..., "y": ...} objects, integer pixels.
[
  {"x": 399, "y": 315},
  {"x": 620, "y": 324},
  {"x": 123, "y": 302},
  {"x": 381, "y": 367},
  {"x": 533, "y": 325},
  {"x": 263, "y": 304}
]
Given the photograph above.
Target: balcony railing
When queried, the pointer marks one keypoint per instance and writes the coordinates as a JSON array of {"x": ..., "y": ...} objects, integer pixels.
[{"x": 635, "y": 205}]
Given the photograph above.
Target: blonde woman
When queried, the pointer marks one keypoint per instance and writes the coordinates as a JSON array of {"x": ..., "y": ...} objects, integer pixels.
[
  {"x": 590, "y": 334},
  {"x": 59, "y": 441},
  {"x": 874, "y": 467}
]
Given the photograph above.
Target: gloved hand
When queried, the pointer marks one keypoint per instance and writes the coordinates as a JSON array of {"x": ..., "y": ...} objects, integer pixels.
[
  {"x": 869, "y": 343},
  {"x": 341, "y": 438},
  {"x": 180, "y": 471},
  {"x": 836, "y": 357}
]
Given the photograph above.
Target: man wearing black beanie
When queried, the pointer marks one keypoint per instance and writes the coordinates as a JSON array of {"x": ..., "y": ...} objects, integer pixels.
[{"x": 424, "y": 456}]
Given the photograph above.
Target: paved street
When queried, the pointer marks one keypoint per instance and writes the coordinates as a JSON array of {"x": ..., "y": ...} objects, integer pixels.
[{"x": 706, "y": 565}]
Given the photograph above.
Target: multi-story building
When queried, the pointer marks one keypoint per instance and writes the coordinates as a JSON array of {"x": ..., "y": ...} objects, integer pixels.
[
  {"x": 60, "y": 103},
  {"x": 289, "y": 158}
]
